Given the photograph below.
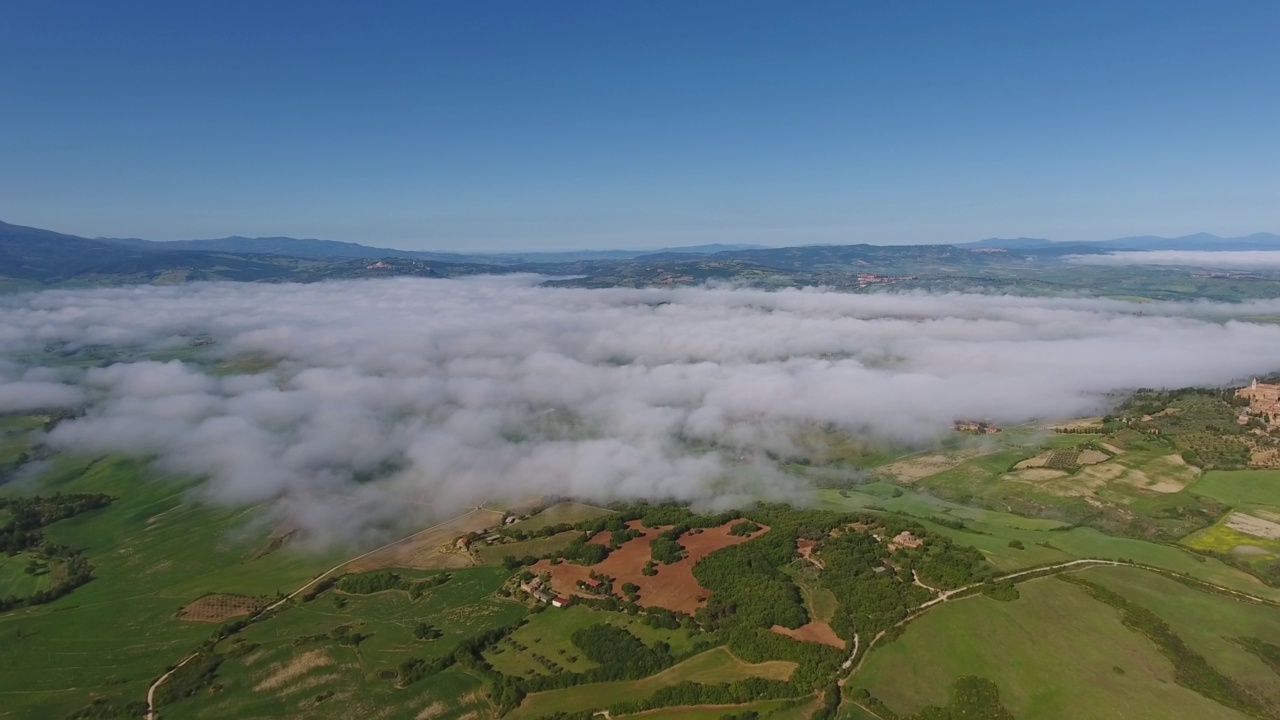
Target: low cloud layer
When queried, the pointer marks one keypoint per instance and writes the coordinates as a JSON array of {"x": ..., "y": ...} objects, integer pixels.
[
  {"x": 429, "y": 394},
  {"x": 1225, "y": 260}
]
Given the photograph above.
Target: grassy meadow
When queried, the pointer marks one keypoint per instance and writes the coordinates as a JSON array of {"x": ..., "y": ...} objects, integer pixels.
[
  {"x": 156, "y": 548},
  {"x": 279, "y": 668},
  {"x": 549, "y": 634},
  {"x": 715, "y": 666},
  {"x": 1055, "y": 653}
]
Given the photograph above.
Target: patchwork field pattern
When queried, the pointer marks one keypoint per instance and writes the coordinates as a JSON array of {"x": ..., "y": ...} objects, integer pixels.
[
  {"x": 219, "y": 607},
  {"x": 673, "y": 587}
]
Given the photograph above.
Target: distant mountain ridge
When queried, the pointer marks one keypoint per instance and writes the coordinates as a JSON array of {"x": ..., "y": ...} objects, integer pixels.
[
  {"x": 331, "y": 249},
  {"x": 33, "y": 257},
  {"x": 1203, "y": 242}
]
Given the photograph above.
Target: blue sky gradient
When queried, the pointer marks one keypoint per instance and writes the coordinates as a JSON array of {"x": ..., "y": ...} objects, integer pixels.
[{"x": 488, "y": 125}]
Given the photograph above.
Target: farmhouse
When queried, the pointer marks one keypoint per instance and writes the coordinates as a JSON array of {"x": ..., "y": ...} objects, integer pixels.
[
  {"x": 559, "y": 601},
  {"x": 904, "y": 539}
]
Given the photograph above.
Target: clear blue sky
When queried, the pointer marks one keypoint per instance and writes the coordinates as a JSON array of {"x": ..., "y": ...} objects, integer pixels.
[{"x": 487, "y": 125}]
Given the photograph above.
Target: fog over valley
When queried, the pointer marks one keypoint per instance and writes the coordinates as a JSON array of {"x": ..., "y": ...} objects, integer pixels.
[{"x": 365, "y": 403}]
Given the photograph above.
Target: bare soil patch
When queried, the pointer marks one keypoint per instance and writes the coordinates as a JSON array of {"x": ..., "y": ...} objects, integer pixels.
[
  {"x": 922, "y": 466},
  {"x": 434, "y": 710},
  {"x": 1089, "y": 456},
  {"x": 674, "y": 587},
  {"x": 1255, "y": 526},
  {"x": 813, "y": 631},
  {"x": 282, "y": 673},
  {"x": 432, "y": 549},
  {"x": 1038, "y": 461},
  {"x": 220, "y": 607},
  {"x": 1037, "y": 474}
]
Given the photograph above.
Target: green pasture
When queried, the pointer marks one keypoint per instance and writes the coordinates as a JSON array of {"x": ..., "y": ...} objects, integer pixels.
[
  {"x": 1043, "y": 541},
  {"x": 565, "y": 512},
  {"x": 14, "y": 579},
  {"x": 296, "y": 656},
  {"x": 715, "y": 712},
  {"x": 156, "y": 548},
  {"x": 1207, "y": 622},
  {"x": 1054, "y": 653},
  {"x": 323, "y": 683},
  {"x": 1240, "y": 488},
  {"x": 549, "y": 634},
  {"x": 537, "y": 547},
  {"x": 821, "y": 602},
  {"x": 713, "y": 667}
]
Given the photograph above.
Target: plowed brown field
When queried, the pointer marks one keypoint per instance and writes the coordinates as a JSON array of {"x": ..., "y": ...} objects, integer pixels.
[
  {"x": 818, "y": 632},
  {"x": 218, "y": 607},
  {"x": 674, "y": 587}
]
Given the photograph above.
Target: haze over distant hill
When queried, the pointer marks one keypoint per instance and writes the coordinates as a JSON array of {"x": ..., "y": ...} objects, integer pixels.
[
  {"x": 1198, "y": 241},
  {"x": 31, "y": 258},
  {"x": 328, "y": 249}
]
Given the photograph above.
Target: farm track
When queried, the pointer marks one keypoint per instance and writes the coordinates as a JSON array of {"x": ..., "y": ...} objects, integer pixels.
[{"x": 266, "y": 612}]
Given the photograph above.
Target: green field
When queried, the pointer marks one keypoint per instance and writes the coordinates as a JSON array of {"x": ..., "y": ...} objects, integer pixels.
[
  {"x": 1046, "y": 541},
  {"x": 714, "y": 666},
  {"x": 295, "y": 656},
  {"x": 1206, "y": 622},
  {"x": 14, "y": 580},
  {"x": 565, "y": 512},
  {"x": 537, "y": 547},
  {"x": 154, "y": 550},
  {"x": 1054, "y": 653},
  {"x": 549, "y": 633},
  {"x": 1241, "y": 487},
  {"x": 820, "y": 601},
  {"x": 716, "y": 712}
]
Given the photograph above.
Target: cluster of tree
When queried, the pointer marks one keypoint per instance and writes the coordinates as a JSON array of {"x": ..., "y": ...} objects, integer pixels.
[
  {"x": 666, "y": 548},
  {"x": 1263, "y": 650},
  {"x": 104, "y": 709},
  {"x": 511, "y": 562},
  {"x": 423, "y": 631},
  {"x": 75, "y": 570},
  {"x": 506, "y": 691},
  {"x": 319, "y": 588},
  {"x": 971, "y": 697},
  {"x": 663, "y": 619},
  {"x": 942, "y": 563},
  {"x": 617, "y": 538},
  {"x": 1003, "y": 590},
  {"x": 584, "y": 553},
  {"x": 743, "y": 528},
  {"x": 197, "y": 674},
  {"x": 29, "y": 515},
  {"x": 691, "y": 693},
  {"x": 346, "y": 635},
  {"x": 621, "y": 655},
  {"x": 383, "y": 580}
]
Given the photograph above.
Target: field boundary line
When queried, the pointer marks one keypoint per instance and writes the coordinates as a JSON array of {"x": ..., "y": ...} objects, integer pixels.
[{"x": 262, "y": 614}]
